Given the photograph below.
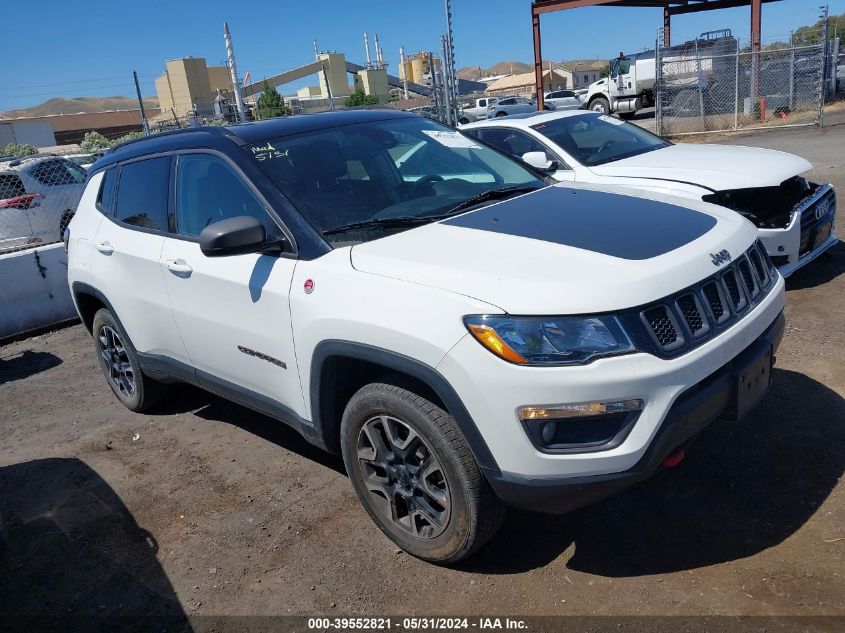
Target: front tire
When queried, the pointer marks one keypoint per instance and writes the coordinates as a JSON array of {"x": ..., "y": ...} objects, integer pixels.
[
  {"x": 501, "y": 114},
  {"x": 415, "y": 475},
  {"x": 118, "y": 361},
  {"x": 600, "y": 105}
]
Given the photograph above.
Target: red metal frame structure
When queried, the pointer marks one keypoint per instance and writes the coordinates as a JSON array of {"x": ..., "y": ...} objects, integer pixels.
[{"x": 670, "y": 8}]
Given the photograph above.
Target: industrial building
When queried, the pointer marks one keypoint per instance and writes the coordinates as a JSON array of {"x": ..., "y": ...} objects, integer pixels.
[
  {"x": 37, "y": 133},
  {"x": 190, "y": 85},
  {"x": 67, "y": 129},
  {"x": 417, "y": 68}
]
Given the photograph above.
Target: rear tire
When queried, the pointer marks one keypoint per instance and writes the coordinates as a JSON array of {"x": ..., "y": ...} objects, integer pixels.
[
  {"x": 600, "y": 105},
  {"x": 500, "y": 114},
  {"x": 118, "y": 361},
  {"x": 627, "y": 116},
  {"x": 415, "y": 475},
  {"x": 463, "y": 120}
]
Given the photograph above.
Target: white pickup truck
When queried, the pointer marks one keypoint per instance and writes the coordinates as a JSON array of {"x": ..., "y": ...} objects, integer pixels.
[{"x": 471, "y": 113}]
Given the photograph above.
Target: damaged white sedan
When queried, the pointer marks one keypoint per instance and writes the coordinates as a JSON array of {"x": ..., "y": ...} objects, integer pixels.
[{"x": 795, "y": 217}]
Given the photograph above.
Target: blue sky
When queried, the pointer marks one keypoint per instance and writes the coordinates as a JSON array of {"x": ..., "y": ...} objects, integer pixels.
[{"x": 90, "y": 48}]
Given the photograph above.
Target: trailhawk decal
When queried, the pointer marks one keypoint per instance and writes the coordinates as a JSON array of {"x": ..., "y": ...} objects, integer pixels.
[{"x": 607, "y": 223}]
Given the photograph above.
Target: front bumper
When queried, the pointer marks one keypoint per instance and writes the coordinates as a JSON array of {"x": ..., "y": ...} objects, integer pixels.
[
  {"x": 799, "y": 244},
  {"x": 493, "y": 390},
  {"x": 692, "y": 411}
]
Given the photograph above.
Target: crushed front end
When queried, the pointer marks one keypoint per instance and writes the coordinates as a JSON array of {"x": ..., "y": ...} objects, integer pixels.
[{"x": 796, "y": 219}]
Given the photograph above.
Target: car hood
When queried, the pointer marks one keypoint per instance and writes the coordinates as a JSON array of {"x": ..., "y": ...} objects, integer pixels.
[
  {"x": 564, "y": 249},
  {"x": 717, "y": 167}
]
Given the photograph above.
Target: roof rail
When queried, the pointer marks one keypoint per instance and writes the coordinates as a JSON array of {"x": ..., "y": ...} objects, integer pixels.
[{"x": 210, "y": 129}]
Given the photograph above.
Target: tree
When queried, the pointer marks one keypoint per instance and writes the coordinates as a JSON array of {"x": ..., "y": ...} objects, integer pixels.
[
  {"x": 359, "y": 98},
  {"x": 94, "y": 142},
  {"x": 271, "y": 104},
  {"x": 18, "y": 149},
  {"x": 126, "y": 137},
  {"x": 810, "y": 35}
]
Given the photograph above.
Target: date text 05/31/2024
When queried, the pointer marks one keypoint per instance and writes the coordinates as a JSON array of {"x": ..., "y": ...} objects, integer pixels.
[{"x": 415, "y": 624}]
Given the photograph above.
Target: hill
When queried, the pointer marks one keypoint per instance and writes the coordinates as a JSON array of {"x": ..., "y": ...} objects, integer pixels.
[
  {"x": 61, "y": 105},
  {"x": 474, "y": 73}
]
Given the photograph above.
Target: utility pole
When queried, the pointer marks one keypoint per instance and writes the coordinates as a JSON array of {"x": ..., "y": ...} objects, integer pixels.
[
  {"x": 436, "y": 85},
  {"x": 233, "y": 70},
  {"x": 452, "y": 84},
  {"x": 447, "y": 93},
  {"x": 404, "y": 71},
  {"x": 328, "y": 87},
  {"x": 825, "y": 34},
  {"x": 141, "y": 105}
]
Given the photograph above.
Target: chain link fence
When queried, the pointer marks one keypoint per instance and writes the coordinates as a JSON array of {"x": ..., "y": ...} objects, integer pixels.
[
  {"x": 38, "y": 197},
  {"x": 717, "y": 90}
]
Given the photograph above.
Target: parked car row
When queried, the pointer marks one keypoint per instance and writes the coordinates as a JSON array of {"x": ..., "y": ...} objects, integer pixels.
[
  {"x": 428, "y": 303},
  {"x": 38, "y": 196},
  {"x": 492, "y": 107}
]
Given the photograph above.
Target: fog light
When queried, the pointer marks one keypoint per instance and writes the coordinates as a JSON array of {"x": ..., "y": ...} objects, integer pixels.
[
  {"x": 585, "y": 409},
  {"x": 548, "y": 432}
]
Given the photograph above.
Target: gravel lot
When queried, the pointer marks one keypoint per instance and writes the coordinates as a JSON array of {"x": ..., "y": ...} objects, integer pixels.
[{"x": 204, "y": 507}]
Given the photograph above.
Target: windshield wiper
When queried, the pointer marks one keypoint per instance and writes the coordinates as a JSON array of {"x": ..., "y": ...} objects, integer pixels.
[
  {"x": 402, "y": 221},
  {"x": 406, "y": 221},
  {"x": 487, "y": 196}
]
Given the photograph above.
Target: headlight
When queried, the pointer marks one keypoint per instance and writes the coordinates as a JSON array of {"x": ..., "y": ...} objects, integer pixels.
[{"x": 567, "y": 340}]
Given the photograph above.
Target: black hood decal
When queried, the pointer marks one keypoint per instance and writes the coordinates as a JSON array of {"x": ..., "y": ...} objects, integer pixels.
[{"x": 617, "y": 225}]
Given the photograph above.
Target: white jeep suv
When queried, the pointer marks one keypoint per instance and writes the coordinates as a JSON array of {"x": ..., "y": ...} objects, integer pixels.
[{"x": 465, "y": 335}]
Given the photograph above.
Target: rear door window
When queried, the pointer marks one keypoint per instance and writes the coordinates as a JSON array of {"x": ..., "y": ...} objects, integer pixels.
[
  {"x": 142, "y": 193},
  {"x": 58, "y": 172}
]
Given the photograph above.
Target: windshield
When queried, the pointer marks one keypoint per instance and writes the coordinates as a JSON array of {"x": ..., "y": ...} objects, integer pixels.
[
  {"x": 595, "y": 139},
  {"x": 381, "y": 170}
]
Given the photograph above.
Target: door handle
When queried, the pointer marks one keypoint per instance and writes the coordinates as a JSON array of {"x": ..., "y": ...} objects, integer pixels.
[
  {"x": 179, "y": 266},
  {"x": 104, "y": 247}
]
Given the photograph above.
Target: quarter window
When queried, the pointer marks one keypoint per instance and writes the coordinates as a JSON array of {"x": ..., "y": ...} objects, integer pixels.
[
  {"x": 11, "y": 186},
  {"x": 105, "y": 196},
  {"x": 207, "y": 191},
  {"x": 142, "y": 193}
]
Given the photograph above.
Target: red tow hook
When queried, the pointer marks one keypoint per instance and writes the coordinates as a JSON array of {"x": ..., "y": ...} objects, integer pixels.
[{"x": 674, "y": 458}]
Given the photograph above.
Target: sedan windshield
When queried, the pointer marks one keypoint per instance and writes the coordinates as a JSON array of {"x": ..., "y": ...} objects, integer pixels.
[
  {"x": 354, "y": 182},
  {"x": 595, "y": 139}
]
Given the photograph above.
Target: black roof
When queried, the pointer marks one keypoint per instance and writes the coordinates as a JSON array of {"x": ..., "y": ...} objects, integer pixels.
[{"x": 217, "y": 137}]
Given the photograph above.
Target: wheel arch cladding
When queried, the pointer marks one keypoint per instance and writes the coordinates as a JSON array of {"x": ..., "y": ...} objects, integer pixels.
[
  {"x": 340, "y": 368},
  {"x": 88, "y": 300}
]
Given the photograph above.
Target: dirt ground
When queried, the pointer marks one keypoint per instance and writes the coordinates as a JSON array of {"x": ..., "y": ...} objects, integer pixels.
[{"x": 204, "y": 507}]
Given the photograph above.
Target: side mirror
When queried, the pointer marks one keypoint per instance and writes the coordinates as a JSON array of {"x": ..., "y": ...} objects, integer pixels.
[
  {"x": 233, "y": 236},
  {"x": 539, "y": 160}
]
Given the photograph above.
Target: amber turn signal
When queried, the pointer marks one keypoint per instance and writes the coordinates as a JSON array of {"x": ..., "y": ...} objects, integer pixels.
[{"x": 488, "y": 337}]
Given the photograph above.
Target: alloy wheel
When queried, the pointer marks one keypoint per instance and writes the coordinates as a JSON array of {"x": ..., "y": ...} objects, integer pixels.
[
  {"x": 404, "y": 477},
  {"x": 116, "y": 359}
]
